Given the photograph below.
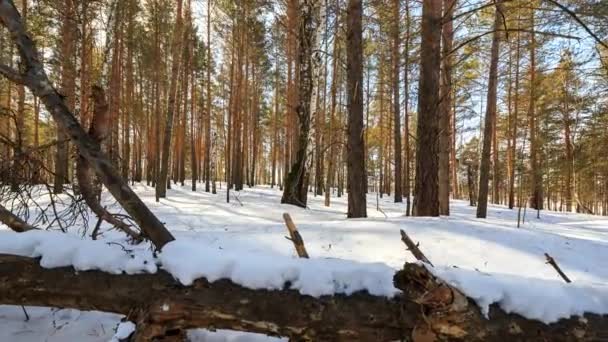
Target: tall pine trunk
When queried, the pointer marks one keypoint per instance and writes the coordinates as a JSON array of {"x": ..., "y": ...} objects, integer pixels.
[
  {"x": 357, "y": 206},
  {"x": 426, "y": 201},
  {"x": 482, "y": 199},
  {"x": 161, "y": 184}
]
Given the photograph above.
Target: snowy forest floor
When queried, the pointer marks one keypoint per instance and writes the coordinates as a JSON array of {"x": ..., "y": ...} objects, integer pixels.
[{"x": 490, "y": 260}]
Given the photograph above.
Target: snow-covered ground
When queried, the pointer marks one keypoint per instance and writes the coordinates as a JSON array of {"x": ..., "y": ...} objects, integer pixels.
[{"x": 491, "y": 260}]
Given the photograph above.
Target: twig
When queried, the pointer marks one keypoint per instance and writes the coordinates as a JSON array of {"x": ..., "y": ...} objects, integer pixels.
[
  {"x": 553, "y": 263},
  {"x": 27, "y": 317},
  {"x": 296, "y": 238},
  {"x": 413, "y": 247}
]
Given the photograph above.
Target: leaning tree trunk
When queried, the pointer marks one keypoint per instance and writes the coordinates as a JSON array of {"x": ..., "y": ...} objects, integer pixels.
[
  {"x": 36, "y": 80},
  {"x": 426, "y": 201},
  {"x": 484, "y": 171},
  {"x": 296, "y": 183}
]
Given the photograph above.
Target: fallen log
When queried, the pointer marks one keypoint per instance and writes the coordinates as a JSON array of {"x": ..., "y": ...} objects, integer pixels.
[{"x": 427, "y": 310}]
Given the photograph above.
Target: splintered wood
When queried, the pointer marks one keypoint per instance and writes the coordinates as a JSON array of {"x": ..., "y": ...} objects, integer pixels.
[{"x": 296, "y": 238}]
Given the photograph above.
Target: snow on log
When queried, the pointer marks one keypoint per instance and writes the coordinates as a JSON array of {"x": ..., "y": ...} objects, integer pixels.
[{"x": 427, "y": 310}]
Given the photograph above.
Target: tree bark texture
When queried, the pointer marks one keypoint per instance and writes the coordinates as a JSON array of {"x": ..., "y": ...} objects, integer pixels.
[{"x": 426, "y": 197}]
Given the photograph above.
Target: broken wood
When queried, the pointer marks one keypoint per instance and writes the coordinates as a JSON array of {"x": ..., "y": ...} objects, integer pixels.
[
  {"x": 296, "y": 238},
  {"x": 553, "y": 263},
  {"x": 414, "y": 248},
  {"x": 164, "y": 309}
]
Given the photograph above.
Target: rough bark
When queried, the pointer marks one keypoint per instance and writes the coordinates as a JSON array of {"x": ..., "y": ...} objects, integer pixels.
[
  {"x": 445, "y": 111},
  {"x": 357, "y": 205},
  {"x": 427, "y": 310},
  {"x": 36, "y": 80},
  {"x": 296, "y": 183},
  {"x": 426, "y": 201},
  {"x": 484, "y": 170}
]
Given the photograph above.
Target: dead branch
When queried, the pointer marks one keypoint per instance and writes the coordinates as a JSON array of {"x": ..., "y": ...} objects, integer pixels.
[
  {"x": 296, "y": 238},
  {"x": 553, "y": 263},
  {"x": 413, "y": 247}
]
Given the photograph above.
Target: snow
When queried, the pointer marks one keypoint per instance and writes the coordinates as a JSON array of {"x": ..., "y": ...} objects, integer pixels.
[
  {"x": 123, "y": 331},
  {"x": 490, "y": 260},
  {"x": 272, "y": 271}
]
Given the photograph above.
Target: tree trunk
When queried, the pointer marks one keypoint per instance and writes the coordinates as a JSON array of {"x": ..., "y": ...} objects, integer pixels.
[
  {"x": 536, "y": 186},
  {"x": 426, "y": 201},
  {"x": 68, "y": 87},
  {"x": 295, "y": 191},
  {"x": 482, "y": 200},
  {"x": 161, "y": 184},
  {"x": 329, "y": 179},
  {"x": 357, "y": 205},
  {"x": 514, "y": 122},
  {"x": 406, "y": 120},
  {"x": 445, "y": 111},
  {"x": 396, "y": 100}
]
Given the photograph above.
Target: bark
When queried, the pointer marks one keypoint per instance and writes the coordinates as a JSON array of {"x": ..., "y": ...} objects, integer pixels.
[
  {"x": 396, "y": 101},
  {"x": 329, "y": 179},
  {"x": 426, "y": 201},
  {"x": 445, "y": 111},
  {"x": 406, "y": 119},
  {"x": 514, "y": 122},
  {"x": 37, "y": 81},
  {"x": 427, "y": 310},
  {"x": 208, "y": 116},
  {"x": 482, "y": 200},
  {"x": 357, "y": 205},
  {"x": 536, "y": 200},
  {"x": 296, "y": 184},
  {"x": 68, "y": 87},
  {"x": 161, "y": 184}
]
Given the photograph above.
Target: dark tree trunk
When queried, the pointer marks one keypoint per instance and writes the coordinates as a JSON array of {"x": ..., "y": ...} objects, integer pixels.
[
  {"x": 295, "y": 191},
  {"x": 445, "y": 111},
  {"x": 357, "y": 205},
  {"x": 68, "y": 88},
  {"x": 426, "y": 201},
  {"x": 396, "y": 100},
  {"x": 161, "y": 184},
  {"x": 484, "y": 175}
]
